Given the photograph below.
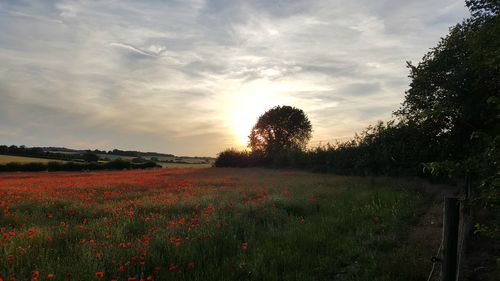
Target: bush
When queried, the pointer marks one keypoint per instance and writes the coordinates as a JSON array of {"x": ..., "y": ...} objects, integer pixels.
[
  {"x": 233, "y": 158},
  {"x": 75, "y": 166}
]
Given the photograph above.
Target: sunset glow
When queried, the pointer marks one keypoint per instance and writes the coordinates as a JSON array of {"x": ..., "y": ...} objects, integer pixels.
[{"x": 247, "y": 109}]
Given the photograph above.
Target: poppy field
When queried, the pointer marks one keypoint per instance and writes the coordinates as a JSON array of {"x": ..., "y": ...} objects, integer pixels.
[{"x": 207, "y": 224}]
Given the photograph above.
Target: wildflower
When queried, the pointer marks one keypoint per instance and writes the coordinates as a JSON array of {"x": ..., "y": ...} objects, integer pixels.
[
  {"x": 51, "y": 275},
  {"x": 244, "y": 246},
  {"x": 149, "y": 278},
  {"x": 98, "y": 255},
  {"x": 31, "y": 233},
  {"x": 176, "y": 241},
  {"x": 91, "y": 242},
  {"x": 99, "y": 274},
  {"x": 10, "y": 258},
  {"x": 172, "y": 267},
  {"x": 48, "y": 238},
  {"x": 131, "y": 279}
]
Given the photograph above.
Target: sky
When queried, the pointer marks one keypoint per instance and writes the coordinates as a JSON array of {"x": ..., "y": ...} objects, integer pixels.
[{"x": 191, "y": 77}]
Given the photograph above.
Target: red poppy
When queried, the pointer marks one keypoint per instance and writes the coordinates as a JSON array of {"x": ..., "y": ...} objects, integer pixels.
[
  {"x": 244, "y": 246},
  {"x": 51, "y": 275},
  {"x": 99, "y": 274},
  {"x": 172, "y": 267}
]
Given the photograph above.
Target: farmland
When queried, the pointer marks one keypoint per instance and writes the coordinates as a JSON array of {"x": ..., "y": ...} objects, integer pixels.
[
  {"x": 211, "y": 224},
  {"x": 21, "y": 159}
]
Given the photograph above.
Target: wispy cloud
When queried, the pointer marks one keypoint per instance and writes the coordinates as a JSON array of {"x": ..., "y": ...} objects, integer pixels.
[{"x": 157, "y": 51}]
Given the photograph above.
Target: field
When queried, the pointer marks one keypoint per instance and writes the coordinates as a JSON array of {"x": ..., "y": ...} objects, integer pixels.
[
  {"x": 183, "y": 165},
  {"x": 211, "y": 224},
  {"x": 20, "y": 159}
]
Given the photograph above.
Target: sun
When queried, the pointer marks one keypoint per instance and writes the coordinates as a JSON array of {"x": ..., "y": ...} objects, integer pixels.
[
  {"x": 242, "y": 123},
  {"x": 246, "y": 103},
  {"x": 245, "y": 113}
]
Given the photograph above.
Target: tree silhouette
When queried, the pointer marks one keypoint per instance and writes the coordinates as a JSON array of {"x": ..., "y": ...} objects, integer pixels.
[{"x": 282, "y": 128}]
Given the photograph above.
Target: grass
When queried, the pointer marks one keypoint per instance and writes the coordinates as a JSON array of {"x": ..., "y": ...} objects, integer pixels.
[
  {"x": 21, "y": 159},
  {"x": 209, "y": 224}
]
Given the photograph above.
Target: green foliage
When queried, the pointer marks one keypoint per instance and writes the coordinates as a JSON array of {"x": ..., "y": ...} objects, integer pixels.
[
  {"x": 117, "y": 164},
  {"x": 282, "y": 128},
  {"x": 233, "y": 158},
  {"x": 483, "y": 8},
  {"x": 90, "y": 157}
]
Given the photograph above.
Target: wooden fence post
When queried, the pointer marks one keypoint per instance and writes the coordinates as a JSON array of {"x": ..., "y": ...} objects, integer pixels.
[
  {"x": 450, "y": 239},
  {"x": 467, "y": 186},
  {"x": 465, "y": 225}
]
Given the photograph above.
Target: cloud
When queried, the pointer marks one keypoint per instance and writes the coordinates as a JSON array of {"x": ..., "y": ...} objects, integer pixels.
[
  {"x": 173, "y": 75},
  {"x": 155, "y": 53}
]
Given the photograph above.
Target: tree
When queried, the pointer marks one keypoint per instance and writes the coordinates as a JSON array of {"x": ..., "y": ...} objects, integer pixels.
[
  {"x": 90, "y": 157},
  {"x": 454, "y": 90},
  {"x": 280, "y": 129}
]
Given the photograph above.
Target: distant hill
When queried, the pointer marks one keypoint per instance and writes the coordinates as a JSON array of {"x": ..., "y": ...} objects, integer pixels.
[{"x": 69, "y": 154}]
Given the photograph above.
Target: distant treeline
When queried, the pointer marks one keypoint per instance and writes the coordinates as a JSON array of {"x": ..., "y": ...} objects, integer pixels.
[
  {"x": 37, "y": 152},
  {"x": 130, "y": 153},
  {"x": 70, "y": 154},
  {"x": 74, "y": 166}
]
